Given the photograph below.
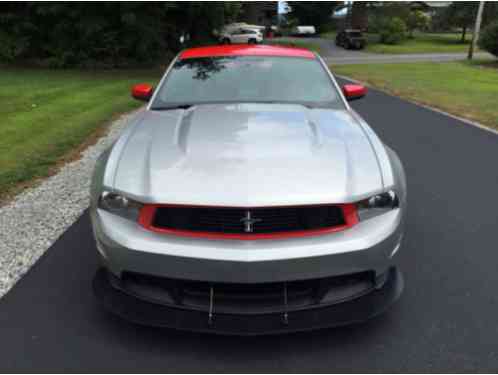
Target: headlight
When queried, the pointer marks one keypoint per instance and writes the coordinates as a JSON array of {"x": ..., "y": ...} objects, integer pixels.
[
  {"x": 377, "y": 205},
  {"x": 119, "y": 205}
]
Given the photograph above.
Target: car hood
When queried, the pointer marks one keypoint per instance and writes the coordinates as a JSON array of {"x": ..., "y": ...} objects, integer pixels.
[{"x": 247, "y": 155}]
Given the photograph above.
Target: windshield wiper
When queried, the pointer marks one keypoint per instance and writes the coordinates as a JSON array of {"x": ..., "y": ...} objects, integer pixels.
[{"x": 171, "y": 107}]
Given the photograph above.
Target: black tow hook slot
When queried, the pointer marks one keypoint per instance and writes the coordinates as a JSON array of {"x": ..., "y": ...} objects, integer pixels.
[
  {"x": 211, "y": 305},
  {"x": 286, "y": 306},
  {"x": 380, "y": 280}
]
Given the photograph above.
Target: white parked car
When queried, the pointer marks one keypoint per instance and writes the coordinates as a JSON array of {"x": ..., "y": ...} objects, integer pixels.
[
  {"x": 242, "y": 25},
  {"x": 242, "y": 36},
  {"x": 304, "y": 30}
]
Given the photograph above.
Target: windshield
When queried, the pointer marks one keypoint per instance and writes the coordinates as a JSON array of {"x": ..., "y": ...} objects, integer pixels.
[{"x": 258, "y": 79}]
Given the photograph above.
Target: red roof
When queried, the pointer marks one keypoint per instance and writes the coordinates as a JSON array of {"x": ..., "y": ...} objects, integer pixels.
[{"x": 246, "y": 50}]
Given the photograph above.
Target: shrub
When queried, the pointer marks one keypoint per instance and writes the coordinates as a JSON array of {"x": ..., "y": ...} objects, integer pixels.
[
  {"x": 489, "y": 39},
  {"x": 393, "y": 31}
]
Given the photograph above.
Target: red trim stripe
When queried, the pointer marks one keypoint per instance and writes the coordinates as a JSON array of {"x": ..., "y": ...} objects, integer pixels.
[
  {"x": 148, "y": 211},
  {"x": 246, "y": 50}
]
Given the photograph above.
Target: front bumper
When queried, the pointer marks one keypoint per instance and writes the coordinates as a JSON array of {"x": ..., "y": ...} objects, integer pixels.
[
  {"x": 368, "y": 246},
  {"x": 130, "y": 306}
]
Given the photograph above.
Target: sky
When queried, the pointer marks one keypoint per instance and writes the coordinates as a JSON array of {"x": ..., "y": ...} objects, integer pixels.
[{"x": 282, "y": 6}]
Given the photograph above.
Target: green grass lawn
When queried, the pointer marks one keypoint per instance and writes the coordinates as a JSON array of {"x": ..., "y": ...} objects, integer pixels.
[
  {"x": 421, "y": 43},
  {"x": 329, "y": 35},
  {"x": 297, "y": 43},
  {"x": 468, "y": 90},
  {"x": 44, "y": 114}
]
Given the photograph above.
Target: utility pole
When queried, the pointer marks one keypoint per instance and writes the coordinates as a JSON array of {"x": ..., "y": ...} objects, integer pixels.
[{"x": 477, "y": 27}]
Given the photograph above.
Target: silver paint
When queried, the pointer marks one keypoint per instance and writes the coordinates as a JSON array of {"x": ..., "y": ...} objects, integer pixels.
[{"x": 248, "y": 155}]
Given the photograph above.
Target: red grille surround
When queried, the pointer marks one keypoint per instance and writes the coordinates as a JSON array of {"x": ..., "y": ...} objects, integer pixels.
[{"x": 148, "y": 211}]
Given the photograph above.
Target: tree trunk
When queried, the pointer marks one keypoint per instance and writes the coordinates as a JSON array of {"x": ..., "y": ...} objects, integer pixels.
[{"x": 464, "y": 31}]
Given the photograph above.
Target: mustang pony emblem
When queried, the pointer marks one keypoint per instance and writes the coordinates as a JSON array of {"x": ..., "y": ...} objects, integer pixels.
[{"x": 249, "y": 222}]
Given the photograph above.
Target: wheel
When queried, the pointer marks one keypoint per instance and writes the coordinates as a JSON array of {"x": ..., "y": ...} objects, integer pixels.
[
  {"x": 252, "y": 41},
  {"x": 225, "y": 41}
]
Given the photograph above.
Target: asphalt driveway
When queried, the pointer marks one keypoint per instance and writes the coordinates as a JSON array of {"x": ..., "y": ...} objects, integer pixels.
[{"x": 447, "y": 319}]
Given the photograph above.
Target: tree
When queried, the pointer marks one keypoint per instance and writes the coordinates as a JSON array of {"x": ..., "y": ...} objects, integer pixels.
[
  {"x": 105, "y": 34},
  {"x": 382, "y": 12},
  {"x": 313, "y": 13},
  {"x": 488, "y": 40},
  {"x": 416, "y": 20},
  {"x": 461, "y": 14},
  {"x": 393, "y": 31},
  {"x": 233, "y": 9}
]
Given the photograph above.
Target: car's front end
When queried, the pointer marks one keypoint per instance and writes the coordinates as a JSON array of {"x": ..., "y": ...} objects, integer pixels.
[
  {"x": 248, "y": 218},
  {"x": 247, "y": 286}
]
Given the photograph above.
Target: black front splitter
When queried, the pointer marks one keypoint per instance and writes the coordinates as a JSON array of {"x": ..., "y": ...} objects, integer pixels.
[{"x": 148, "y": 313}]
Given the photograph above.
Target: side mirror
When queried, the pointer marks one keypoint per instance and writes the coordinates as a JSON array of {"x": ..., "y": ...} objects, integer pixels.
[
  {"x": 352, "y": 92},
  {"x": 142, "y": 92}
]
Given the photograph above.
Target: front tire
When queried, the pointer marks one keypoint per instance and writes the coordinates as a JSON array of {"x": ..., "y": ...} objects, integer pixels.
[
  {"x": 252, "y": 41},
  {"x": 225, "y": 41}
]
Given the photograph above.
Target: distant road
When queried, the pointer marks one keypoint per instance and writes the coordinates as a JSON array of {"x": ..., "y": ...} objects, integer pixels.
[{"x": 337, "y": 55}]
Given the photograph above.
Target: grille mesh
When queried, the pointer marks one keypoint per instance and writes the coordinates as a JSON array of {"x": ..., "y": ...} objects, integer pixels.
[{"x": 235, "y": 220}]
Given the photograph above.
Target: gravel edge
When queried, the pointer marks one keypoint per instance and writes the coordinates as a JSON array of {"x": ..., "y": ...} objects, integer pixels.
[{"x": 38, "y": 216}]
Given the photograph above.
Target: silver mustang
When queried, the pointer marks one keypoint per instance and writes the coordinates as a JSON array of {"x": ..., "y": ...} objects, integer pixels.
[{"x": 248, "y": 198}]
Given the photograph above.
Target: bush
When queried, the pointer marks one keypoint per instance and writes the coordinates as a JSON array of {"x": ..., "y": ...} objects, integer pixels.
[
  {"x": 392, "y": 31},
  {"x": 489, "y": 39}
]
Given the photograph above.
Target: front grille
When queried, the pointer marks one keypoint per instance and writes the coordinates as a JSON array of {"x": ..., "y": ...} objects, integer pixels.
[
  {"x": 248, "y": 298},
  {"x": 248, "y": 220}
]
